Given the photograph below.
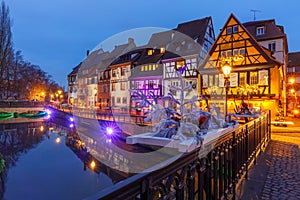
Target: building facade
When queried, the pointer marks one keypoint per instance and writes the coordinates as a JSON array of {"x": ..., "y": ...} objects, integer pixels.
[{"x": 256, "y": 76}]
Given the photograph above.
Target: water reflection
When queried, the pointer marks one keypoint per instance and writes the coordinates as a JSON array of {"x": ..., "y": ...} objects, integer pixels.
[{"x": 38, "y": 163}]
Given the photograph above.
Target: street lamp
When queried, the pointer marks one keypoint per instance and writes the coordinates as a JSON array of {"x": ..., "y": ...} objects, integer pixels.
[{"x": 226, "y": 71}]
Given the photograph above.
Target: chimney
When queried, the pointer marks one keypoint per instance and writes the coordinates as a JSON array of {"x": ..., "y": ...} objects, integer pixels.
[
  {"x": 87, "y": 52},
  {"x": 130, "y": 40}
]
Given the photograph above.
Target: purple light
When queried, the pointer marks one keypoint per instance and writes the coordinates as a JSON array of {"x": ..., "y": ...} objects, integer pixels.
[
  {"x": 108, "y": 141},
  {"x": 48, "y": 112},
  {"x": 71, "y": 125},
  {"x": 109, "y": 130},
  {"x": 71, "y": 119}
]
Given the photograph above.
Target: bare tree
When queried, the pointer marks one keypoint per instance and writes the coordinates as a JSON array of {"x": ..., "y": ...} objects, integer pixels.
[{"x": 6, "y": 50}]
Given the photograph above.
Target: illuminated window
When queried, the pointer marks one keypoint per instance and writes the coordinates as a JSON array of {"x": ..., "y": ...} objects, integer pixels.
[
  {"x": 123, "y": 86},
  {"x": 253, "y": 78},
  {"x": 216, "y": 79},
  {"x": 211, "y": 80},
  {"x": 162, "y": 50},
  {"x": 146, "y": 67},
  {"x": 179, "y": 64},
  {"x": 243, "y": 78},
  {"x": 142, "y": 68},
  {"x": 150, "y": 52},
  {"x": 153, "y": 67},
  {"x": 260, "y": 30},
  {"x": 123, "y": 69},
  {"x": 113, "y": 86}
]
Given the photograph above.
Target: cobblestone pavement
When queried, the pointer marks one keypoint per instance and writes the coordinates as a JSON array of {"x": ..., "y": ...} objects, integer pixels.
[{"x": 283, "y": 175}]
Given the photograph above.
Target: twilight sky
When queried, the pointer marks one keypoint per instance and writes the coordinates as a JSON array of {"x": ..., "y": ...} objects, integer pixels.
[{"x": 55, "y": 34}]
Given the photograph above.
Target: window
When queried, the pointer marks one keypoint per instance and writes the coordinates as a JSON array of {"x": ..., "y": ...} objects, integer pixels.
[
  {"x": 179, "y": 64},
  {"x": 229, "y": 30},
  {"x": 118, "y": 100},
  {"x": 114, "y": 73},
  {"x": 142, "y": 68},
  {"x": 113, "y": 100},
  {"x": 242, "y": 51},
  {"x": 150, "y": 52},
  {"x": 253, "y": 78},
  {"x": 190, "y": 45},
  {"x": 146, "y": 67},
  {"x": 272, "y": 46},
  {"x": 260, "y": 30},
  {"x": 162, "y": 50},
  {"x": 123, "y": 86},
  {"x": 123, "y": 69},
  {"x": 235, "y": 29},
  {"x": 124, "y": 100},
  {"x": 151, "y": 84},
  {"x": 178, "y": 48},
  {"x": 243, "y": 78},
  {"x": 113, "y": 87},
  {"x": 211, "y": 80}
]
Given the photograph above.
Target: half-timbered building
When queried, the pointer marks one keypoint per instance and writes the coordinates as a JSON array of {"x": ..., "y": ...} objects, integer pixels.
[
  {"x": 189, "y": 44},
  {"x": 146, "y": 76},
  {"x": 256, "y": 76},
  {"x": 113, "y": 77}
]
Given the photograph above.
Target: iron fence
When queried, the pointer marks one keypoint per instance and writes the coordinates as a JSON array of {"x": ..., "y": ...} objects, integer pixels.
[{"x": 209, "y": 172}]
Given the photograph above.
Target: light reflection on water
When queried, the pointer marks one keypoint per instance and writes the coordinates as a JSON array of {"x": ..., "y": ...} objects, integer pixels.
[{"x": 43, "y": 161}]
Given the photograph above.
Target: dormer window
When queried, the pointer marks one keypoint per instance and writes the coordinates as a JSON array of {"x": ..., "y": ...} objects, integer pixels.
[
  {"x": 260, "y": 30},
  {"x": 162, "y": 50},
  {"x": 150, "y": 52}
]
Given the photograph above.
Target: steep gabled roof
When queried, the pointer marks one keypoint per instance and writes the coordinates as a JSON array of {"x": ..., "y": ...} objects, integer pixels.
[
  {"x": 195, "y": 29},
  {"x": 240, "y": 42},
  {"x": 75, "y": 70},
  {"x": 294, "y": 59},
  {"x": 271, "y": 29}
]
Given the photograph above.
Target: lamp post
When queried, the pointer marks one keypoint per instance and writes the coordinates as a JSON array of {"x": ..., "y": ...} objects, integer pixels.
[{"x": 226, "y": 68}]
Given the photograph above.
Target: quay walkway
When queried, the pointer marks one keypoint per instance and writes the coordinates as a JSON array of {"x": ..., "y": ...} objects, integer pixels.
[{"x": 276, "y": 174}]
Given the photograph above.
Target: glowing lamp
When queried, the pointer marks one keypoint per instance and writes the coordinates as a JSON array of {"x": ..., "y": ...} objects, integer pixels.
[
  {"x": 226, "y": 69},
  {"x": 71, "y": 125},
  {"x": 48, "y": 112},
  {"x": 109, "y": 130},
  {"x": 71, "y": 119},
  {"x": 42, "y": 128}
]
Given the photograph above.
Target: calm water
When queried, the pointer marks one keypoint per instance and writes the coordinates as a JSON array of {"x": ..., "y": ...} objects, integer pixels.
[{"x": 44, "y": 160}]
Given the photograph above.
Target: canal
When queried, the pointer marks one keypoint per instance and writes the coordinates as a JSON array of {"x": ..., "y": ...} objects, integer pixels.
[{"x": 54, "y": 159}]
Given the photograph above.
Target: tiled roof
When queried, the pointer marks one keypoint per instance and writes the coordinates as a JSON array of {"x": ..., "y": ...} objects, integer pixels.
[
  {"x": 294, "y": 59},
  {"x": 75, "y": 70},
  {"x": 195, "y": 29},
  {"x": 271, "y": 29}
]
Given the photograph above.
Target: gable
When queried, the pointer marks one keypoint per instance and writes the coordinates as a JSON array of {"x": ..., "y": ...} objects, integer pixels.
[{"x": 237, "y": 46}]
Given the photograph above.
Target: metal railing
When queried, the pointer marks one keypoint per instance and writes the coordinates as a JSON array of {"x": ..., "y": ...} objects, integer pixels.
[
  {"x": 212, "y": 171},
  {"x": 21, "y": 104}
]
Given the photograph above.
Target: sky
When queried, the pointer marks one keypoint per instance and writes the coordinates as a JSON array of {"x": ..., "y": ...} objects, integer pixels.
[{"x": 55, "y": 34}]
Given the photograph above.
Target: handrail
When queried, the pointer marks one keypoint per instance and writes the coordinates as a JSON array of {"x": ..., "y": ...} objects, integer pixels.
[{"x": 215, "y": 173}]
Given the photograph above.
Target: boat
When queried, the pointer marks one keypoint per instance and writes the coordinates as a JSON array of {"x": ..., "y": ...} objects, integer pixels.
[
  {"x": 6, "y": 115},
  {"x": 33, "y": 114}
]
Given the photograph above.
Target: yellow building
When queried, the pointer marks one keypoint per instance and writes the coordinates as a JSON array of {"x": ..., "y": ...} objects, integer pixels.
[{"x": 256, "y": 76}]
